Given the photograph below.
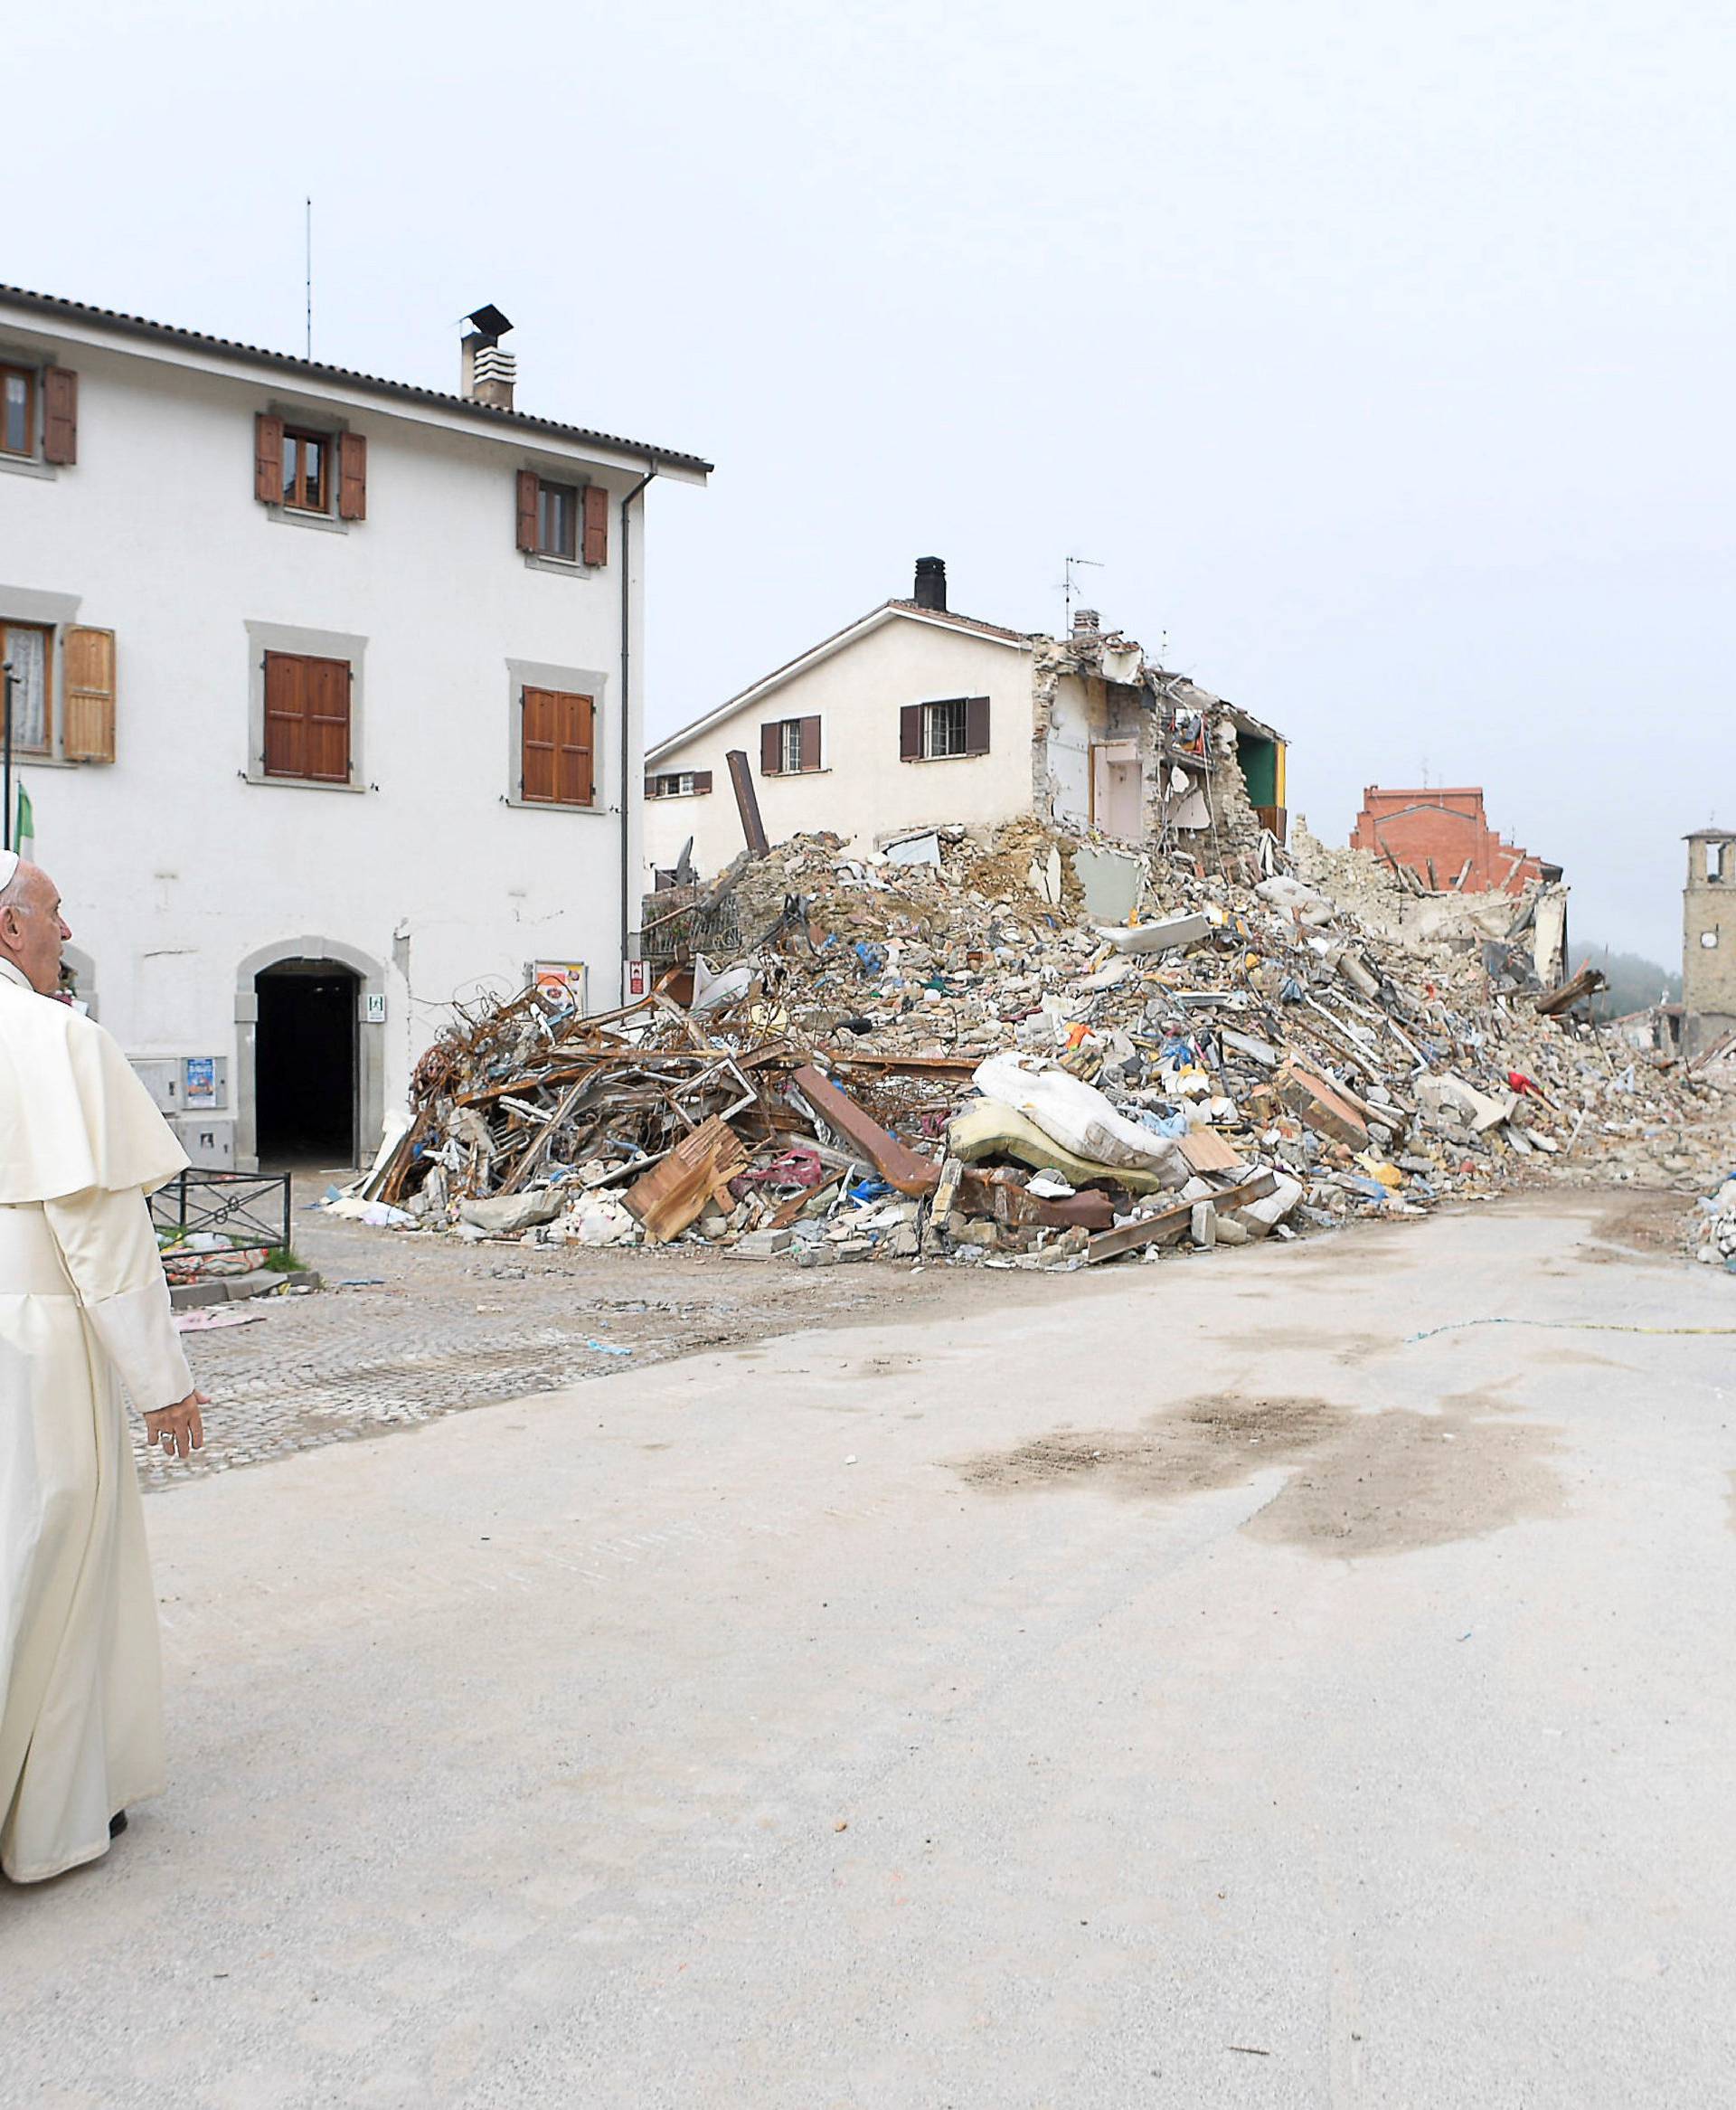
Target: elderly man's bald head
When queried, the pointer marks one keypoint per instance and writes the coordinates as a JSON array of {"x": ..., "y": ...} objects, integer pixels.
[{"x": 31, "y": 928}]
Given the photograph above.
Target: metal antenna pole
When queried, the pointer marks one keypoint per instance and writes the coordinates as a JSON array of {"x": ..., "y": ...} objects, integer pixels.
[
  {"x": 1067, "y": 588},
  {"x": 308, "y": 255}
]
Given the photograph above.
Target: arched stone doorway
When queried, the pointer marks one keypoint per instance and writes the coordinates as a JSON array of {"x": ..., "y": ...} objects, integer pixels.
[{"x": 309, "y": 1072}]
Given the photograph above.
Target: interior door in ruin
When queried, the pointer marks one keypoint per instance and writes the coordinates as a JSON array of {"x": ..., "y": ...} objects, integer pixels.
[{"x": 1117, "y": 787}]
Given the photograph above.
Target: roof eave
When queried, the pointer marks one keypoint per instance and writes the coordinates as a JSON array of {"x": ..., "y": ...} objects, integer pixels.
[
  {"x": 815, "y": 654},
  {"x": 91, "y": 325}
]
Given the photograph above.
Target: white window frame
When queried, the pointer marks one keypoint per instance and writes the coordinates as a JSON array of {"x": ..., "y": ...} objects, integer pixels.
[{"x": 931, "y": 719}]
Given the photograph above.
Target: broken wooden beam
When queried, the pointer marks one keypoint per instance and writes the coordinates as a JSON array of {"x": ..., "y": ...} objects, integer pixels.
[
  {"x": 747, "y": 803},
  {"x": 897, "y": 1164},
  {"x": 1178, "y": 1220}
]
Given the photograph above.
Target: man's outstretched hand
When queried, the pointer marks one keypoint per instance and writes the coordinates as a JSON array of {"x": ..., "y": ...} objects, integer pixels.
[{"x": 178, "y": 1428}]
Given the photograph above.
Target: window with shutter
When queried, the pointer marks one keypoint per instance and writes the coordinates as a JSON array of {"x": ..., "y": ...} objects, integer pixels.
[
  {"x": 60, "y": 416},
  {"x": 789, "y": 747},
  {"x": 558, "y": 743},
  {"x": 90, "y": 689},
  {"x": 306, "y": 718}
]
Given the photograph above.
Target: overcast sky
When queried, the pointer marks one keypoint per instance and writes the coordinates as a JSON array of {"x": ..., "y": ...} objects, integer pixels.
[{"x": 1380, "y": 355}]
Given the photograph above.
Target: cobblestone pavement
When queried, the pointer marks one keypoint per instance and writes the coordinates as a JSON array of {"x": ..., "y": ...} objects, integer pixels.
[{"x": 409, "y": 1328}]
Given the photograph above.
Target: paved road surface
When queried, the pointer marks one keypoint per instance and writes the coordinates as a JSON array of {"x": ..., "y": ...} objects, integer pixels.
[{"x": 1203, "y": 1695}]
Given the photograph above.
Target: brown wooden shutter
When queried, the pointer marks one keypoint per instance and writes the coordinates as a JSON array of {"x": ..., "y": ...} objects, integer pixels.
[
  {"x": 352, "y": 475},
  {"x": 558, "y": 764},
  {"x": 60, "y": 415},
  {"x": 90, "y": 695},
  {"x": 810, "y": 738},
  {"x": 596, "y": 543},
  {"x": 286, "y": 716},
  {"x": 267, "y": 459},
  {"x": 651, "y": 791},
  {"x": 910, "y": 732},
  {"x": 527, "y": 496},
  {"x": 537, "y": 746},
  {"x": 579, "y": 752},
  {"x": 976, "y": 725},
  {"x": 772, "y": 750},
  {"x": 306, "y": 718},
  {"x": 327, "y": 691},
  {"x": 701, "y": 781}
]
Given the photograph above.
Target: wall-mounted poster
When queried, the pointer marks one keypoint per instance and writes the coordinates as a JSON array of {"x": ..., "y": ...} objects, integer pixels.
[
  {"x": 199, "y": 1085},
  {"x": 562, "y": 979}
]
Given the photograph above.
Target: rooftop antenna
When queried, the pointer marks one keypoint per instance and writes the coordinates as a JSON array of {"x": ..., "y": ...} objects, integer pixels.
[
  {"x": 1068, "y": 567},
  {"x": 308, "y": 260}
]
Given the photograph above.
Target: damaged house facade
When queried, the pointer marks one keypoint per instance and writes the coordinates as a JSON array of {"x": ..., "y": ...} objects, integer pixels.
[
  {"x": 915, "y": 717},
  {"x": 325, "y": 696}
]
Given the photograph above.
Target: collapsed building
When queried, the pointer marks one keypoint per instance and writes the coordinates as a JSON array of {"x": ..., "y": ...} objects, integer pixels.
[{"x": 916, "y": 716}]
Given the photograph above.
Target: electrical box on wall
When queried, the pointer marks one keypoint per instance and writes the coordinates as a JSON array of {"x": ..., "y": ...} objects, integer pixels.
[
  {"x": 209, "y": 1142},
  {"x": 161, "y": 1077},
  {"x": 184, "y": 1083}
]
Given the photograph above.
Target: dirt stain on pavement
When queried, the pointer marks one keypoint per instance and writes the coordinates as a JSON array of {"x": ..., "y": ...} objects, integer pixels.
[
  {"x": 1360, "y": 1483},
  {"x": 1399, "y": 1480}
]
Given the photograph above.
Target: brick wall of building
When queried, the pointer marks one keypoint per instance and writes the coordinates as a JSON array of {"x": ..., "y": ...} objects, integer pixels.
[{"x": 1439, "y": 834}]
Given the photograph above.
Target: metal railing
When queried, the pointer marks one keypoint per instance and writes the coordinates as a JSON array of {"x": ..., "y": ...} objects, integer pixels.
[{"x": 251, "y": 1207}]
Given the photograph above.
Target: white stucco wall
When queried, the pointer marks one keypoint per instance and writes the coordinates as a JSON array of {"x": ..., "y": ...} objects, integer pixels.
[
  {"x": 862, "y": 788},
  {"x": 173, "y": 868}
]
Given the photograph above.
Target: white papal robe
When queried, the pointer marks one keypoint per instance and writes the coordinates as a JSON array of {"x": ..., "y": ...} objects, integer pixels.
[{"x": 84, "y": 1312}]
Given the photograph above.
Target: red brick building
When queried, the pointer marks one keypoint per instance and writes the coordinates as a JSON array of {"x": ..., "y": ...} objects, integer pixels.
[{"x": 1445, "y": 838}]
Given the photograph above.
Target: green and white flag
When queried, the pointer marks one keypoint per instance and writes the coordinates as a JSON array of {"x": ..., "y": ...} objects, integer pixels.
[{"x": 24, "y": 832}]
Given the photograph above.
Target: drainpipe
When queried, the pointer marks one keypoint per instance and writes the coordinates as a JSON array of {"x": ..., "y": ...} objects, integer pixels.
[{"x": 626, "y": 720}]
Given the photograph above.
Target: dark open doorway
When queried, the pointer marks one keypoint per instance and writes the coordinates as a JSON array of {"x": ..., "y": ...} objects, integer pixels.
[{"x": 303, "y": 1062}]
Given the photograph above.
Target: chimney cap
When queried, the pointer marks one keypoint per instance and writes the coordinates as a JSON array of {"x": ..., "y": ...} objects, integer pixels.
[
  {"x": 932, "y": 583},
  {"x": 489, "y": 320}
]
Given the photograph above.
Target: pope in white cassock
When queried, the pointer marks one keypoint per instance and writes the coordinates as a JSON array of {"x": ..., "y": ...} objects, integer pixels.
[{"x": 84, "y": 1312}]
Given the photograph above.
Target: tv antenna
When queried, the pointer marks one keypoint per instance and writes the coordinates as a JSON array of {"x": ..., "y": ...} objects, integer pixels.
[
  {"x": 1069, "y": 566},
  {"x": 307, "y": 272}
]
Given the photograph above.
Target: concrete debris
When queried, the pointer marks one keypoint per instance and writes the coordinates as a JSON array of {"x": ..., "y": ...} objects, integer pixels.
[
  {"x": 1716, "y": 1228},
  {"x": 953, "y": 1058}
]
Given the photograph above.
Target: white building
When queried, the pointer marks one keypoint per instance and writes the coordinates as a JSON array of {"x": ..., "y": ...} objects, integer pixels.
[
  {"x": 914, "y": 716},
  {"x": 326, "y": 701}
]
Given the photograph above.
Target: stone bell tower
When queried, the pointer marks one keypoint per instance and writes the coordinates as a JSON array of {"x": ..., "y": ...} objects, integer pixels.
[{"x": 1709, "y": 939}]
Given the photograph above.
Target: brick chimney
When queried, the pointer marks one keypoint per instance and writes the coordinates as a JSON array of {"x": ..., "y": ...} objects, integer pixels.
[
  {"x": 486, "y": 374},
  {"x": 932, "y": 583}
]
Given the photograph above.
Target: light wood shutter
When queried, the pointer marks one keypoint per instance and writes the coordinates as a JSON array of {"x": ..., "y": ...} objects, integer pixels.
[
  {"x": 810, "y": 743},
  {"x": 910, "y": 732},
  {"x": 90, "y": 695},
  {"x": 772, "y": 750},
  {"x": 60, "y": 415},
  {"x": 527, "y": 496},
  {"x": 558, "y": 749},
  {"x": 352, "y": 475},
  {"x": 596, "y": 543},
  {"x": 267, "y": 459},
  {"x": 976, "y": 725}
]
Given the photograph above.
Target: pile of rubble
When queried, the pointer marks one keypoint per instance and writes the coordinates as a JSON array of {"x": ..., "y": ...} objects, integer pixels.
[
  {"x": 1714, "y": 1227},
  {"x": 947, "y": 1049}
]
